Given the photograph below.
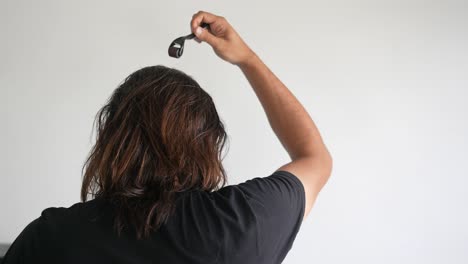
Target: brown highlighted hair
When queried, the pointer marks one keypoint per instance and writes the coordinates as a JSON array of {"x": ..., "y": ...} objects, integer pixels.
[{"x": 158, "y": 135}]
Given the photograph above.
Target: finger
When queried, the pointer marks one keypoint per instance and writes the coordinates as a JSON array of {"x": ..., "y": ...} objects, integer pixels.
[
  {"x": 205, "y": 35},
  {"x": 202, "y": 16}
]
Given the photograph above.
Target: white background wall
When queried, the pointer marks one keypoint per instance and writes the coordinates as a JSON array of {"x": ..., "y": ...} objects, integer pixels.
[{"x": 385, "y": 81}]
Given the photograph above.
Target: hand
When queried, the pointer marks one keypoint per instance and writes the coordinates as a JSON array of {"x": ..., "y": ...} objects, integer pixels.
[{"x": 222, "y": 37}]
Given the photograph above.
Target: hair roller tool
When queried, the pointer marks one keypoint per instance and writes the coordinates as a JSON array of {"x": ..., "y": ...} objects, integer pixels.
[{"x": 177, "y": 46}]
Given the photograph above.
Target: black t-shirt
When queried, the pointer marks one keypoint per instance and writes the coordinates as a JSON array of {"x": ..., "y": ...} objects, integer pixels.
[{"x": 255, "y": 221}]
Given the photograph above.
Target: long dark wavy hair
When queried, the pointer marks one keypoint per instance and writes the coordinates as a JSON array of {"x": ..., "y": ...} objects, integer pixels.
[{"x": 158, "y": 135}]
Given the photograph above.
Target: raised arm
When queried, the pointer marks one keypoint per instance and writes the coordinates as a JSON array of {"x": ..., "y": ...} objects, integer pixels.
[{"x": 310, "y": 160}]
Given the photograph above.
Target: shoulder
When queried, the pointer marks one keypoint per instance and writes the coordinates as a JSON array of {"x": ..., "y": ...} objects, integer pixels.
[
  {"x": 280, "y": 188},
  {"x": 276, "y": 191},
  {"x": 37, "y": 238},
  {"x": 53, "y": 221},
  {"x": 59, "y": 214},
  {"x": 43, "y": 237},
  {"x": 267, "y": 211},
  {"x": 64, "y": 221}
]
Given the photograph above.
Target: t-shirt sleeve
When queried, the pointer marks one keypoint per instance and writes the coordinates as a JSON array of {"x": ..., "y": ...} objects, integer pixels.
[
  {"x": 275, "y": 204},
  {"x": 34, "y": 243},
  {"x": 25, "y": 247}
]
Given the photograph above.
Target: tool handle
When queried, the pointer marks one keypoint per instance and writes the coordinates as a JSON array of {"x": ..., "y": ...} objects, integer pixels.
[{"x": 191, "y": 36}]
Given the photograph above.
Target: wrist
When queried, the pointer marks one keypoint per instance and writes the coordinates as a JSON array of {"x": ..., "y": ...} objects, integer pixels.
[{"x": 249, "y": 60}]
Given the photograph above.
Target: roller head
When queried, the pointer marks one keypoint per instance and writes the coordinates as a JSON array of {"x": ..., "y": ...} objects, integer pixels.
[
  {"x": 175, "y": 51},
  {"x": 177, "y": 47}
]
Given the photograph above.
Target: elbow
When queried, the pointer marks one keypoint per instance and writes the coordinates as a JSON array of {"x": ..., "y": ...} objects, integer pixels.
[
  {"x": 330, "y": 166},
  {"x": 327, "y": 164}
]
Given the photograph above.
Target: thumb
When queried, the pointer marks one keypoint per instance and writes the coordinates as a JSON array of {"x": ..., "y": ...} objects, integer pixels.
[{"x": 205, "y": 35}]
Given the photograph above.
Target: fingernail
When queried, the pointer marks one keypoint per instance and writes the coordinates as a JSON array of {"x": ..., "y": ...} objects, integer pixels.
[{"x": 198, "y": 31}]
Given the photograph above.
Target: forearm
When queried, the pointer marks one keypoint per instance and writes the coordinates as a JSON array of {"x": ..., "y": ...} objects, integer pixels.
[{"x": 289, "y": 120}]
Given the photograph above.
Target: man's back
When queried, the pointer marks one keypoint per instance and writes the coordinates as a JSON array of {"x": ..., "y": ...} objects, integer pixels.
[{"x": 252, "y": 222}]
